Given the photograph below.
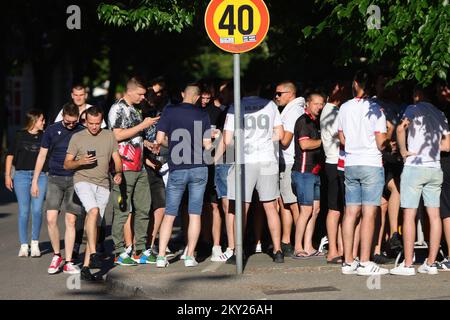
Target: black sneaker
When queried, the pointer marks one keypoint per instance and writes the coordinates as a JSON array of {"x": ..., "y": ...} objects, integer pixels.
[
  {"x": 382, "y": 259},
  {"x": 232, "y": 259},
  {"x": 287, "y": 249},
  {"x": 395, "y": 242},
  {"x": 95, "y": 261},
  {"x": 278, "y": 257},
  {"x": 86, "y": 275}
]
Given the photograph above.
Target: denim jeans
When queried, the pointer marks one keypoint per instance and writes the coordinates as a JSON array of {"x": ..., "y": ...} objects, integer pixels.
[
  {"x": 307, "y": 187},
  {"x": 195, "y": 180},
  {"x": 27, "y": 203}
]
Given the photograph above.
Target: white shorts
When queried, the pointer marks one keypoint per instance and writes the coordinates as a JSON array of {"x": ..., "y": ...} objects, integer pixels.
[
  {"x": 92, "y": 196},
  {"x": 263, "y": 176},
  {"x": 287, "y": 193}
]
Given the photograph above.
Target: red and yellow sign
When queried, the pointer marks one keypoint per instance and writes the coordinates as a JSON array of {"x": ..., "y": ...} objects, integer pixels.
[{"x": 237, "y": 26}]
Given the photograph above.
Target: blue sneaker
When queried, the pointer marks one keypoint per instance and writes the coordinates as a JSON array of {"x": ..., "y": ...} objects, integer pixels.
[{"x": 124, "y": 260}]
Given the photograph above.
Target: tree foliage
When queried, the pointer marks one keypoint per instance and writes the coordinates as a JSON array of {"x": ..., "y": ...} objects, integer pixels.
[
  {"x": 414, "y": 35},
  {"x": 174, "y": 15}
]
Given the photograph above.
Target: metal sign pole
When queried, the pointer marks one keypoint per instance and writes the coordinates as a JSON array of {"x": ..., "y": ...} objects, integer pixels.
[{"x": 238, "y": 144}]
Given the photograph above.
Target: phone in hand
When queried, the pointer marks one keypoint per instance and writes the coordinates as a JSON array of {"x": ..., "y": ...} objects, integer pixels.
[{"x": 92, "y": 153}]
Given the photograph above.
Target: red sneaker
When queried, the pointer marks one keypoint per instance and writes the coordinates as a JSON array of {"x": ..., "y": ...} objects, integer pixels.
[{"x": 55, "y": 265}]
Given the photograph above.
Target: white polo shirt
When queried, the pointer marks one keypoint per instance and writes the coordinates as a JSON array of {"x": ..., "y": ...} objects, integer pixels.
[
  {"x": 428, "y": 125},
  {"x": 289, "y": 116},
  {"x": 360, "y": 120},
  {"x": 329, "y": 133}
]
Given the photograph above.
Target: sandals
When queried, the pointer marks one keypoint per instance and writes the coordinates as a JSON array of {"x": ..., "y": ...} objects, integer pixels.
[{"x": 336, "y": 260}]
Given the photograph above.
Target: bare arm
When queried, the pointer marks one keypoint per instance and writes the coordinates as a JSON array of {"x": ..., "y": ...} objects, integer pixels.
[
  {"x": 445, "y": 143},
  {"x": 118, "y": 168},
  {"x": 401, "y": 138},
  {"x": 287, "y": 139},
  {"x": 341, "y": 138},
  {"x": 228, "y": 137},
  {"x": 71, "y": 164},
  {"x": 207, "y": 144},
  {"x": 310, "y": 144},
  {"x": 37, "y": 171},
  {"x": 278, "y": 133},
  {"x": 161, "y": 138},
  {"x": 124, "y": 134},
  {"x": 381, "y": 140},
  {"x": 8, "y": 178}
]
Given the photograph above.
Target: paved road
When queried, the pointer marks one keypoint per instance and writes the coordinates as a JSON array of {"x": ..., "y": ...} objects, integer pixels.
[{"x": 27, "y": 278}]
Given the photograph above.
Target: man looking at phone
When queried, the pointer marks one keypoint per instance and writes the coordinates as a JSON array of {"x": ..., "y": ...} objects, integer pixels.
[
  {"x": 89, "y": 154},
  {"x": 127, "y": 125}
]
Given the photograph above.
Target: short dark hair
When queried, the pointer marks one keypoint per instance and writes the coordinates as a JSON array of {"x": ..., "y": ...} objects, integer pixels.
[
  {"x": 70, "y": 109},
  {"x": 135, "y": 82},
  {"x": 78, "y": 86},
  {"x": 94, "y": 111},
  {"x": 315, "y": 93},
  {"x": 364, "y": 80}
]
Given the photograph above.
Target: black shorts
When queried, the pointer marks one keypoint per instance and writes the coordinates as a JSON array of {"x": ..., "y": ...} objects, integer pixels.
[
  {"x": 157, "y": 189},
  {"x": 335, "y": 185},
  {"x": 210, "y": 191},
  {"x": 391, "y": 171},
  {"x": 445, "y": 192}
]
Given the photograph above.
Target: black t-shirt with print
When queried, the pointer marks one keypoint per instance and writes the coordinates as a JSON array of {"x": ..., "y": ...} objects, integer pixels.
[
  {"x": 307, "y": 161},
  {"x": 25, "y": 149}
]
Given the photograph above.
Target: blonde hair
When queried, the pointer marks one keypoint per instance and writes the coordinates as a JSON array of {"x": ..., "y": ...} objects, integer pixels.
[{"x": 31, "y": 118}]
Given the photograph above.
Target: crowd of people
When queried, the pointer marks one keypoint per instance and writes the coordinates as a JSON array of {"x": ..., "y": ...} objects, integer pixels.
[{"x": 359, "y": 147}]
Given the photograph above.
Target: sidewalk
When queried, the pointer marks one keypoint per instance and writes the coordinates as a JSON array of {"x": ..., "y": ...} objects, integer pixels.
[{"x": 262, "y": 279}]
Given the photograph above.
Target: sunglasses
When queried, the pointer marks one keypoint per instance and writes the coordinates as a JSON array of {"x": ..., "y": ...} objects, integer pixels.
[
  {"x": 279, "y": 93},
  {"x": 70, "y": 123}
]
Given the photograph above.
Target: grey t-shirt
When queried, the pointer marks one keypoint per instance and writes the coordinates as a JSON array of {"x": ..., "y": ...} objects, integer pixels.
[{"x": 104, "y": 144}]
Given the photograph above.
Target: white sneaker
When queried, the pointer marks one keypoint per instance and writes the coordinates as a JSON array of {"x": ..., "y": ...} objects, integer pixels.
[
  {"x": 401, "y": 270},
  {"x": 258, "y": 248},
  {"x": 23, "y": 252},
  {"x": 183, "y": 256},
  {"x": 35, "y": 252},
  {"x": 430, "y": 269},
  {"x": 216, "y": 252},
  {"x": 190, "y": 262},
  {"x": 350, "y": 268},
  {"x": 370, "y": 269},
  {"x": 129, "y": 250},
  {"x": 71, "y": 268},
  {"x": 161, "y": 262},
  {"x": 224, "y": 256}
]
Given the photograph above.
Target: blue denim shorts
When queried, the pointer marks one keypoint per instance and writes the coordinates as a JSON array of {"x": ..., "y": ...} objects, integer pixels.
[
  {"x": 363, "y": 185},
  {"x": 221, "y": 179},
  {"x": 417, "y": 181},
  {"x": 306, "y": 187},
  {"x": 195, "y": 180}
]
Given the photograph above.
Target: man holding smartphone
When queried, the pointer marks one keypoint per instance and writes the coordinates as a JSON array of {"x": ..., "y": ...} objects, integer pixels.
[{"x": 89, "y": 154}]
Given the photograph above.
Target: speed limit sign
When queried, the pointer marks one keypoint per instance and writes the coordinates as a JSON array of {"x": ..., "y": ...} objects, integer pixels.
[{"x": 237, "y": 26}]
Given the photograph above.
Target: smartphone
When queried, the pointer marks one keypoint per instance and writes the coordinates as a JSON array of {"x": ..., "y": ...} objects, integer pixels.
[{"x": 92, "y": 153}]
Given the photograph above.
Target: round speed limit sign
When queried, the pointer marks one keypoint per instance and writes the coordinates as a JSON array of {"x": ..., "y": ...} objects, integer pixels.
[{"x": 237, "y": 26}]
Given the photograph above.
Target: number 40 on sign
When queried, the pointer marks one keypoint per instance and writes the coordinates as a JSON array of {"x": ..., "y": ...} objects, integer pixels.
[{"x": 237, "y": 26}]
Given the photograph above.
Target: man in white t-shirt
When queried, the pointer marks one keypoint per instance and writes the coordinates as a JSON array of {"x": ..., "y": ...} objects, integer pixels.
[
  {"x": 262, "y": 127},
  {"x": 292, "y": 109},
  {"x": 338, "y": 93},
  {"x": 362, "y": 130},
  {"x": 79, "y": 96},
  {"x": 427, "y": 135}
]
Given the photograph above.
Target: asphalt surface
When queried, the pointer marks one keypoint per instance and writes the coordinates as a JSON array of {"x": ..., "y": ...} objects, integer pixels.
[{"x": 27, "y": 278}]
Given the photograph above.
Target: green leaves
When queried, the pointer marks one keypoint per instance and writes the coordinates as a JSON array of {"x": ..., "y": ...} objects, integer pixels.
[
  {"x": 414, "y": 32},
  {"x": 166, "y": 15}
]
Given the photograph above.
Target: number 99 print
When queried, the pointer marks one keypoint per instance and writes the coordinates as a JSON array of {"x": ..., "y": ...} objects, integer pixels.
[{"x": 237, "y": 26}]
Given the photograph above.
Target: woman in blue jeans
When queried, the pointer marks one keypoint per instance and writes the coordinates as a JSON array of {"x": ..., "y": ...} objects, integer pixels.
[{"x": 22, "y": 154}]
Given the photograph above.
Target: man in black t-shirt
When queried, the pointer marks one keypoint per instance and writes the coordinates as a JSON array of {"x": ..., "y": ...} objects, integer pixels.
[{"x": 305, "y": 174}]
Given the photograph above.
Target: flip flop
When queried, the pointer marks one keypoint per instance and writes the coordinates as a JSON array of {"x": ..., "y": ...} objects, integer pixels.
[
  {"x": 335, "y": 260},
  {"x": 317, "y": 253},
  {"x": 302, "y": 255}
]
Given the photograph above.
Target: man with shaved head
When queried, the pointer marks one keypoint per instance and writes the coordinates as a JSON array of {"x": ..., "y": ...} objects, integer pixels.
[{"x": 185, "y": 129}]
